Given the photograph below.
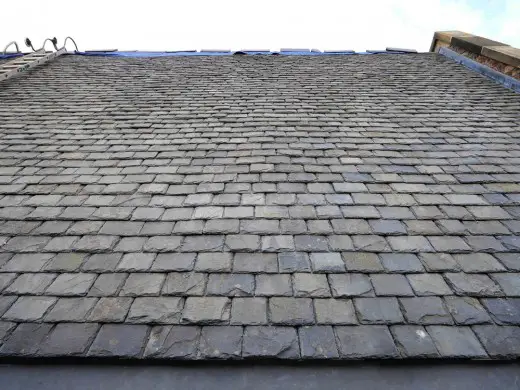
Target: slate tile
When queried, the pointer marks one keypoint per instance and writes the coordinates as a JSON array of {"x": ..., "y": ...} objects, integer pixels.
[
  {"x": 467, "y": 310},
  {"x": 294, "y": 262},
  {"x": 70, "y": 310},
  {"x": 107, "y": 284},
  {"x": 472, "y": 284},
  {"x": 119, "y": 340},
  {"x": 401, "y": 262},
  {"x": 327, "y": 262},
  {"x": 274, "y": 285},
  {"x": 317, "y": 342},
  {"x": 456, "y": 342},
  {"x": 350, "y": 285},
  {"x": 184, "y": 283},
  {"x": 270, "y": 342},
  {"x": 425, "y": 311},
  {"x": 413, "y": 341},
  {"x": 206, "y": 310},
  {"x": 30, "y": 283},
  {"x": 255, "y": 263},
  {"x": 156, "y": 310},
  {"x": 68, "y": 340},
  {"x": 71, "y": 284},
  {"x": 143, "y": 284},
  {"x": 291, "y": 311},
  {"x": 362, "y": 262},
  {"x": 499, "y": 341},
  {"x": 503, "y": 311},
  {"x": 102, "y": 262},
  {"x": 249, "y": 311},
  {"x": 391, "y": 285},
  {"x": 335, "y": 311},
  {"x": 174, "y": 262},
  {"x": 378, "y": 310},
  {"x": 29, "y": 308},
  {"x": 429, "y": 284},
  {"x": 110, "y": 309},
  {"x": 25, "y": 340},
  {"x": 214, "y": 262},
  {"x": 365, "y": 342},
  {"x": 221, "y": 342}
]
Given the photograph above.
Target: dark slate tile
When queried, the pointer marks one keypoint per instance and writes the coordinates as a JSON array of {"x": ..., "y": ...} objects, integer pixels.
[
  {"x": 68, "y": 340},
  {"x": 270, "y": 342},
  {"x": 25, "y": 340},
  {"x": 456, "y": 342},
  {"x": 221, "y": 342},
  {"x": 503, "y": 311},
  {"x": 173, "y": 342},
  {"x": 365, "y": 342},
  {"x": 413, "y": 341},
  {"x": 317, "y": 342},
  {"x": 119, "y": 340},
  {"x": 499, "y": 341}
]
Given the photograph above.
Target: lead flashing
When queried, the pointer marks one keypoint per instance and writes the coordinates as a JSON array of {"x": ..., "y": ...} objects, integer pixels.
[{"x": 506, "y": 81}]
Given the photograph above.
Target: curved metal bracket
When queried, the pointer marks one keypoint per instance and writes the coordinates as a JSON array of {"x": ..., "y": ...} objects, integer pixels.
[
  {"x": 54, "y": 41},
  {"x": 9, "y": 44},
  {"x": 73, "y": 41}
]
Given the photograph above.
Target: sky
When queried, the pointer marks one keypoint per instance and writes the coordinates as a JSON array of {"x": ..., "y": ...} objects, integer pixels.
[{"x": 255, "y": 24}]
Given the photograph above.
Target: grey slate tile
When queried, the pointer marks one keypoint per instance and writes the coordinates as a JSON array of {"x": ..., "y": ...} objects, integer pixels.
[
  {"x": 68, "y": 340},
  {"x": 25, "y": 340},
  {"x": 365, "y": 342},
  {"x": 456, "y": 342},
  {"x": 270, "y": 342},
  {"x": 118, "y": 340},
  {"x": 317, "y": 342}
]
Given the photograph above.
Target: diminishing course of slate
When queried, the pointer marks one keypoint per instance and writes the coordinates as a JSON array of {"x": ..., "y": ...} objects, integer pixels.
[{"x": 338, "y": 207}]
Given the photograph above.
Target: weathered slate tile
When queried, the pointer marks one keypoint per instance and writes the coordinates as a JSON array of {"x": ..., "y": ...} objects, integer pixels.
[
  {"x": 499, "y": 341},
  {"x": 413, "y": 341},
  {"x": 270, "y": 342},
  {"x": 335, "y": 311},
  {"x": 274, "y": 285},
  {"x": 291, "y": 311},
  {"x": 29, "y": 308},
  {"x": 68, "y": 340},
  {"x": 174, "y": 342},
  {"x": 119, "y": 340},
  {"x": 221, "y": 342},
  {"x": 503, "y": 311},
  {"x": 317, "y": 342},
  {"x": 365, "y": 342},
  {"x": 249, "y": 311},
  {"x": 25, "y": 340},
  {"x": 143, "y": 284},
  {"x": 378, "y": 310},
  {"x": 206, "y": 310},
  {"x": 70, "y": 310},
  {"x": 110, "y": 309},
  {"x": 157, "y": 310},
  {"x": 456, "y": 342},
  {"x": 425, "y": 311}
]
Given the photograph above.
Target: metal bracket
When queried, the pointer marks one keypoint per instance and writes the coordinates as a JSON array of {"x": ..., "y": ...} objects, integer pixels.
[
  {"x": 73, "y": 41},
  {"x": 9, "y": 44},
  {"x": 54, "y": 42}
]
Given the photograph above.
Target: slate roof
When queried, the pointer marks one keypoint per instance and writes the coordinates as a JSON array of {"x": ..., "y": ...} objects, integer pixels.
[{"x": 340, "y": 207}]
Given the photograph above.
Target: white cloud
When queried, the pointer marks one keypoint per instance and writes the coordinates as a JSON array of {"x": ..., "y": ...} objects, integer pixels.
[{"x": 271, "y": 24}]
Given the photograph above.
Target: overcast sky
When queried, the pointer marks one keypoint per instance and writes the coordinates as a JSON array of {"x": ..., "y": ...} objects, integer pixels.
[{"x": 264, "y": 24}]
